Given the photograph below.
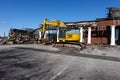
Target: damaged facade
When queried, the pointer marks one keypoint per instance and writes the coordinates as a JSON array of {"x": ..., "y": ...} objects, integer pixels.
[{"x": 102, "y": 31}]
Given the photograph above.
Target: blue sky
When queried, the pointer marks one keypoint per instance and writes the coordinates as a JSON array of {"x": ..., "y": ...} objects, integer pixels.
[{"x": 30, "y": 13}]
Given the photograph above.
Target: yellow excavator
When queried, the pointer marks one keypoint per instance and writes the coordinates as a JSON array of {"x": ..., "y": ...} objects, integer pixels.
[
  {"x": 64, "y": 34},
  {"x": 62, "y": 31}
]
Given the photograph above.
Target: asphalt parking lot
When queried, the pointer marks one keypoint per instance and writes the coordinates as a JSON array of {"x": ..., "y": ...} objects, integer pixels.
[{"x": 31, "y": 62}]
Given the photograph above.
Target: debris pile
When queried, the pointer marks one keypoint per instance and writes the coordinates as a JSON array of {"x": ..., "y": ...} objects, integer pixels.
[
  {"x": 18, "y": 36},
  {"x": 3, "y": 40}
]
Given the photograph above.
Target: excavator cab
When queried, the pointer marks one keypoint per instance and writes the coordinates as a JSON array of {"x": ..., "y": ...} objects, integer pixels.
[
  {"x": 62, "y": 33},
  {"x": 69, "y": 35}
]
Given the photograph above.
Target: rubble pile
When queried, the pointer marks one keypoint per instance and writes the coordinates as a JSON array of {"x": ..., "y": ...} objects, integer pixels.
[{"x": 18, "y": 36}]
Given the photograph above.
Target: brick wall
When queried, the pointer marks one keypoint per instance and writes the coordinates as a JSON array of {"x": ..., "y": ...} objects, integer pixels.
[
  {"x": 97, "y": 41},
  {"x": 99, "y": 36}
]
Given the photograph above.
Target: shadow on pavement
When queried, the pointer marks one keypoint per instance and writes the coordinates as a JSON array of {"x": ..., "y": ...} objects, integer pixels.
[{"x": 117, "y": 59}]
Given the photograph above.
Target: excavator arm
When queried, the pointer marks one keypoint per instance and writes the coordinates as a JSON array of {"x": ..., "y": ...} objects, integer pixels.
[{"x": 53, "y": 23}]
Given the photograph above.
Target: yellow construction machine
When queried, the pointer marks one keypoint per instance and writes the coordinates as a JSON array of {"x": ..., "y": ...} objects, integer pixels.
[
  {"x": 63, "y": 32},
  {"x": 47, "y": 23}
]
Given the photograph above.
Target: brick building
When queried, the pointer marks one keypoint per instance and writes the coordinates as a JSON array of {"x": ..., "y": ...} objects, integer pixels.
[{"x": 105, "y": 31}]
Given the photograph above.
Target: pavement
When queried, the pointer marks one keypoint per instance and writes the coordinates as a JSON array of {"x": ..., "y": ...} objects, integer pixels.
[{"x": 44, "y": 62}]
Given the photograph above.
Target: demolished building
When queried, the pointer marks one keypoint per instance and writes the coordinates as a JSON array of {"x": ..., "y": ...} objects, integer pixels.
[
  {"x": 19, "y": 36},
  {"x": 102, "y": 31}
]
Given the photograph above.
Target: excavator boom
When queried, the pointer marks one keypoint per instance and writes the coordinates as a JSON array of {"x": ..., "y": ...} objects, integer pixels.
[{"x": 53, "y": 23}]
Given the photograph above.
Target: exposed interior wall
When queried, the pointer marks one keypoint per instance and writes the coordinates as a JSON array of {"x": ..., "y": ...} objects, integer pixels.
[{"x": 99, "y": 35}]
